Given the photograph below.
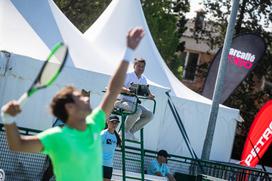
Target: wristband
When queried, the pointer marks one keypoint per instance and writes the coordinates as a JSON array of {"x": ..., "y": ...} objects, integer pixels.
[
  {"x": 128, "y": 55},
  {"x": 6, "y": 118}
]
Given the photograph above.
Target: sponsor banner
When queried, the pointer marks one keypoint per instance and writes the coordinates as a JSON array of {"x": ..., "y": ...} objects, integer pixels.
[
  {"x": 259, "y": 137},
  {"x": 246, "y": 50}
]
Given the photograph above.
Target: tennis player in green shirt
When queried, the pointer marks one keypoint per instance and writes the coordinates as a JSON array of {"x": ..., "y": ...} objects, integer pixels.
[{"x": 75, "y": 149}]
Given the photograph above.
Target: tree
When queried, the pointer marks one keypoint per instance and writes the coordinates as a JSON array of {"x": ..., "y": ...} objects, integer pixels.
[
  {"x": 166, "y": 20},
  {"x": 253, "y": 16},
  {"x": 82, "y": 13}
]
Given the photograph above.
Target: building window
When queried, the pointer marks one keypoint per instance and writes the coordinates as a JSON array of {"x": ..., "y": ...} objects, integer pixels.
[{"x": 190, "y": 61}]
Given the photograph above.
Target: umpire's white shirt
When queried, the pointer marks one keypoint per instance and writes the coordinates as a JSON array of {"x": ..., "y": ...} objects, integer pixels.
[{"x": 132, "y": 78}]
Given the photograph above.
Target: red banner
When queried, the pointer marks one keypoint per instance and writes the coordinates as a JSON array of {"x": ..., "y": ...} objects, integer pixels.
[{"x": 259, "y": 136}]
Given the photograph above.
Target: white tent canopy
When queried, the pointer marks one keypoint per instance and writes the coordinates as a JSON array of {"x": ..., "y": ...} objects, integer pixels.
[
  {"x": 110, "y": 28},
  {"x": 30, "y": 28},
  {"x": 194, "y": 109},
  {"x": 36, "y": 26}
]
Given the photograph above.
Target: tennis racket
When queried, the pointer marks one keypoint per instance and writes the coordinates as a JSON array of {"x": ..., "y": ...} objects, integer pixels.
[{"x": 49, "y": 71}]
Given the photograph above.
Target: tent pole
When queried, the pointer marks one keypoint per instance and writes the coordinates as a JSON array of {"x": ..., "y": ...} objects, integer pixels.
[{"x": 219, "y": 82}]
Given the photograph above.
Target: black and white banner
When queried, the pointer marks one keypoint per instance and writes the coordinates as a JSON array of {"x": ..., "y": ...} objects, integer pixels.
[{"x": 245, "y": 52}]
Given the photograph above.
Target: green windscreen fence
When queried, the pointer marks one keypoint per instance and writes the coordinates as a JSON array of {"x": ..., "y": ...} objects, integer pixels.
[
  {"x": 30, "y": 167},
  {"x": 20, "y": 166}
]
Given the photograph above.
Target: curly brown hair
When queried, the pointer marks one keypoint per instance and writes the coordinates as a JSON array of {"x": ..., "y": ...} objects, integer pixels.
[{"x": 58, "y": 102}]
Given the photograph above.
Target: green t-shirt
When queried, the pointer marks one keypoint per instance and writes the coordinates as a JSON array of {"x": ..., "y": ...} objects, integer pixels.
[{"x": 76, "y": 155}]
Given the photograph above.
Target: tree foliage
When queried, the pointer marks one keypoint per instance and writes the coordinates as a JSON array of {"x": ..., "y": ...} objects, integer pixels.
[
  {"x": 253, "y": 16},
  {"x": 82, "y": 13},
  {"x": 166, "y": 20}
]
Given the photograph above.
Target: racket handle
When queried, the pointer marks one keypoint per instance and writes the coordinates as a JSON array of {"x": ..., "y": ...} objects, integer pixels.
[{"x": 22, "y": 99}]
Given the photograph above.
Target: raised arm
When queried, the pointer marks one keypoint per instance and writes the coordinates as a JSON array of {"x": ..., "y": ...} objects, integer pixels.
[
  {"x": 116, "y": 83},
  {"x": 17, "y": 142}
]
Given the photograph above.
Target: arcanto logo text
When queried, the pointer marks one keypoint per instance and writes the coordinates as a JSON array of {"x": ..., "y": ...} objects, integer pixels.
[{"x": 241, "y": 59}]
